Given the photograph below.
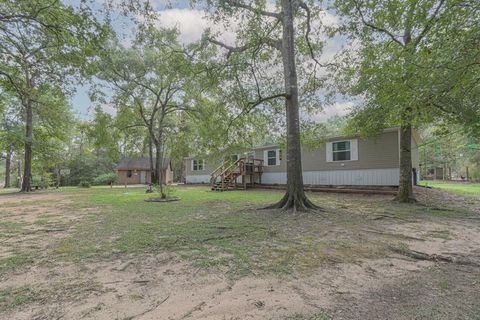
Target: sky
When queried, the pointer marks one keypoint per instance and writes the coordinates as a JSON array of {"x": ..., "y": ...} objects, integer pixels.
[{"x": 191, "y": 23}]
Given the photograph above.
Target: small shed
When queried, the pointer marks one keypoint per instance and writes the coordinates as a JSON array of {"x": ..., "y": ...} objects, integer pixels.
[{"x": 137, "y": 171}]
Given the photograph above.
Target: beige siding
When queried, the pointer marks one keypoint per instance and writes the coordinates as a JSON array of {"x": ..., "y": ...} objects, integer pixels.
[
  {"x": 210, "y": 165},
  {"x": 374, "y": 153}
]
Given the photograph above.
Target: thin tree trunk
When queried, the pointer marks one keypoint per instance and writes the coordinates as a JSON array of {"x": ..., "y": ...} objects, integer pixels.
[
  {"x": 150, "y": 153},
  {"x": 19, "y": 174},
  {"x": 295, "y": 198},
  {"x": 8, "y": 162},
  {"x": 161, "y": 178},
  {"x": 158, "y": 162},
  {"x": 27, "y": 170},
  {"x": 405, "y": 190}
]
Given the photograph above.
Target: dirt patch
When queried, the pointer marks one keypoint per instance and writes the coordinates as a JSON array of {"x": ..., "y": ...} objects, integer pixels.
[
  {"x": 162, "y": 287},
  {"x": 443, "y": 291},
  {"x": 30, "y": 223}
]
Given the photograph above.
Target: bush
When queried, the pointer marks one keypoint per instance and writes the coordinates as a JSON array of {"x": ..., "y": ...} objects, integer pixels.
[
  {"x": 43, "y": 180},
  {"x": 105, "y": 179},
  {"x": 84, "y": 184}
]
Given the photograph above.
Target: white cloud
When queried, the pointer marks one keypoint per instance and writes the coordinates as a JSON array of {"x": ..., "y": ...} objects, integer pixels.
[
  {"x": 108, "y": 108},
  {"x": 191, "y": 24},
  {"x": 338, "y": 108}
]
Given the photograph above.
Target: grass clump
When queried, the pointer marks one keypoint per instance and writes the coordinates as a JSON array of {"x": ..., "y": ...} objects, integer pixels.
[{"x": 14, "y": 297}]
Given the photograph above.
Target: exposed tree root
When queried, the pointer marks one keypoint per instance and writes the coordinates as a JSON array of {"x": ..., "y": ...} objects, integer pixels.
[
  {"x": 435, "y": 257},
  {"x": 295, "y": 202},
  {"x": 155, "y": 306}
]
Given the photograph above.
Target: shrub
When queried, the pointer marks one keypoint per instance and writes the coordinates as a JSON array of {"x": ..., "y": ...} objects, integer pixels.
[
  {"x": 84, "y": 184},
  {"x": 105, "y": 179}
]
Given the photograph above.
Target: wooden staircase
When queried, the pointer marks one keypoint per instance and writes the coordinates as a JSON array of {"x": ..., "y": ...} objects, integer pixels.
[{"x": 225, "y": 176}]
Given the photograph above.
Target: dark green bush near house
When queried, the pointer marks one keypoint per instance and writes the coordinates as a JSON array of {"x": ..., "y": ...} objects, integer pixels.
[
  {"x": 105, "y": 179},
  {"x": 87, "y": 167},
  {"x": 84, "y": 184}
]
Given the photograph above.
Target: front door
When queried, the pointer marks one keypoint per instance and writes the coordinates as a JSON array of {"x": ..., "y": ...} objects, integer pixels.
[{"x": 143, "y": 177}]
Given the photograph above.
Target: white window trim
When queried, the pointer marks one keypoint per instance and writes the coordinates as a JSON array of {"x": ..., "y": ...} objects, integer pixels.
[
  {"x": 277, "y": 158},
  {"x": 353, "y": 150},
  {"x": 203, "y": 162}
]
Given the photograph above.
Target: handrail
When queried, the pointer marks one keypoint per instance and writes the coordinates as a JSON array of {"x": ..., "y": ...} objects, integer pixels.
[
  {"x": 231, "y": 166},
  {"x": 214, "y": 175},
  {"x": 223, "y": 169}
]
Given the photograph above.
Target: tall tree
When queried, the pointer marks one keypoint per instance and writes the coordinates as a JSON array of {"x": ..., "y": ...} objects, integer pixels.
[
  {"x": 399, "y": 47},
  {"x": 10, "y": 133},
  {"x": 43, "y": 42},
  {"x": 269, "y": 38},
  {"x": 151, "y": 78}
]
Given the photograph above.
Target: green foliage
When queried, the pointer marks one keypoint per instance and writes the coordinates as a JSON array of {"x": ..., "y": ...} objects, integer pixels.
[
  {"x": 87, "y": 167},
  {"x": 84, "y": 184},
  {"x": 105, "y": 179},
  {"x": 43, "y": 180},
  {"x": 416, "y": 62},
  {"x": 45, "y": 48}
]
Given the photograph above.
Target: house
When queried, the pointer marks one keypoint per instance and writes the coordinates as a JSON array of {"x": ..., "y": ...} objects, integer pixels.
[
  {"x": 137, "y": 171},
  {"x": 339, "y": 161}
]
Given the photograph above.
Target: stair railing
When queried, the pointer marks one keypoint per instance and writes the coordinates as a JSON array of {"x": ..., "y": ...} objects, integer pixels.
[{"x": 222, "y": 170}]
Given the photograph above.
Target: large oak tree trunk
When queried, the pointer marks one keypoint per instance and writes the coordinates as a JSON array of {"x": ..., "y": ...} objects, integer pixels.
[
  {"x": 295, "y": 198},
  {"x": 27, "y": 165},
  {"x": 8, "y": 161},
  {"x": 405, "y": 190}
]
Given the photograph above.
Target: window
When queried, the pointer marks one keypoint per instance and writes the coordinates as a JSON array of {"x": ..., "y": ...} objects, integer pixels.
[
  {"x": 272, "y": 157},
  {"x": 341, "y": 151},
  {"x": 198, "y": 165},
  {"x": 129, "y": 173}
]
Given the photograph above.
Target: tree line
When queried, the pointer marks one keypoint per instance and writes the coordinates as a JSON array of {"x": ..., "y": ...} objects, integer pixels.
[{"x": 410, "y": 64}]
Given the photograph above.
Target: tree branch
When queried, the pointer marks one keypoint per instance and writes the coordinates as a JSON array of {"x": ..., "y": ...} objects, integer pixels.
[
  {"x": 374, "y": 27},
  {"x": 238, "y": 4},
  {"x": 429, "y": 24}
]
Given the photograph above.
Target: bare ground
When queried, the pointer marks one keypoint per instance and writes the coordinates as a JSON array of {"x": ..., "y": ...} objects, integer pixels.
[{"x": 163, "y": 286}]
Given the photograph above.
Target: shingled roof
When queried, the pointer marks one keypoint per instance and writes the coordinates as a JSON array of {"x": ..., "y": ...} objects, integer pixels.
[{"x": 139, "y": 164}]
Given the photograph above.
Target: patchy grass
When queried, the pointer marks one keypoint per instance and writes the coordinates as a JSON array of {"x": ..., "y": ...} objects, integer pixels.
[
  {"x": 441, "y": 234},
  {"x": 461, "y": 188},
  {"x": 15, "y": 261},
  {"x": 217, "y": 230},
  {"x": 14, "y": 297},
  {"x": 226, "y": 230}
]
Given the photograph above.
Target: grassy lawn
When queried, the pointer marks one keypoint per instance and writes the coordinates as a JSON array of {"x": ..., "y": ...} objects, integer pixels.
[
  {"x": 461, "y": 188},
  {"x": 226, "y": 230}
]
